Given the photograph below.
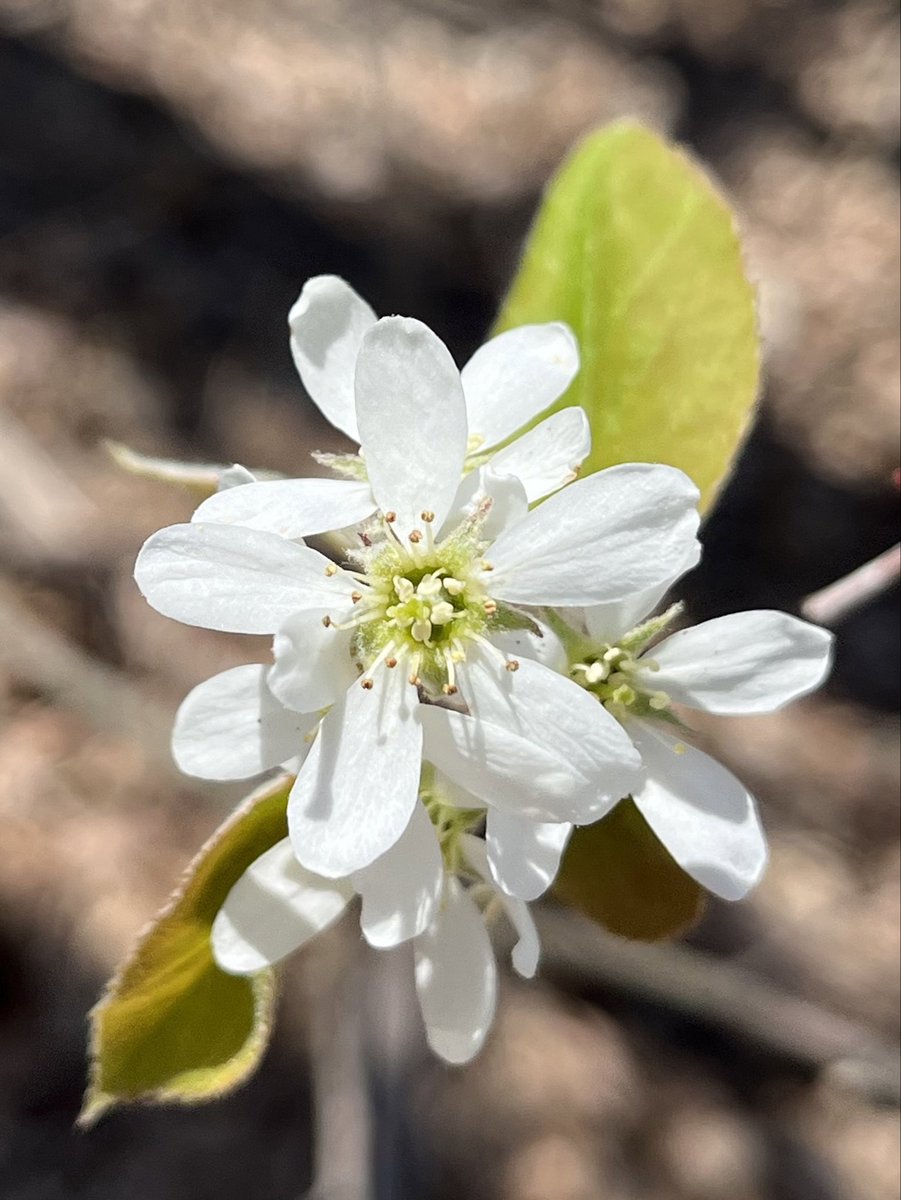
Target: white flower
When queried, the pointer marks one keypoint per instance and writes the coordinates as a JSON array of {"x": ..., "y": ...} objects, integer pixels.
[
  {"x": 506, "y": 384},
  {"x": 422, "y": 609},
  {"x": 749, "y": 662},
  {"x": 407, "y": 894}
]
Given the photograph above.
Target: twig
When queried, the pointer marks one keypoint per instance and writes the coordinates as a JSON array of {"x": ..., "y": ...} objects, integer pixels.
[
  {"x": 833, "y": 1047},
  {"x": 342, "y": 1118},
  {"x": 833, "y": 603},
  {"x": 44, "y": 659}
]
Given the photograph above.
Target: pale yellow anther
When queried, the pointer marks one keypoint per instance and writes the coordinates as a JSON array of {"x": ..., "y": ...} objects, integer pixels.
[
  {"x": 490, "y": 607},
  {"x": 449, "y": 689},
  {"x": 331, "y": 569},
  {"x": 356, "y": 597},
  {"x": 680, "y": 748},
  {"x": 659, "y": 701},
  {"x": 428, "y": 516},
  {"x": 454, "y": 587},
  {"x": 512, "y": 664}
]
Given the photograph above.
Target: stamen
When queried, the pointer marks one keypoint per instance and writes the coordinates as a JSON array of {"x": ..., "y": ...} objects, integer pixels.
[
  {"x": 390, "y": 516},
  {"x": 415, "y": 536},
  {"x": 327, "y": 621},
  {"x": 366, "y": 684},
  {"x": 331, "y": 569},
  {"x": 512, "y": 664},
  {"x": 490, "y": 607},
  {"x": 356, "y": 597},
  {"x": 428, "y": 516},
  {"x": 391, "y": 663}
]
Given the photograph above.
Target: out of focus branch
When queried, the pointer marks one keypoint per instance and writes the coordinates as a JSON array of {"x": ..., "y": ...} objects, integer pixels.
[
  {"x": 835, "y": 602},
  {"x": 44, "y": 659},
  {"x": 831, "y": 1046}
]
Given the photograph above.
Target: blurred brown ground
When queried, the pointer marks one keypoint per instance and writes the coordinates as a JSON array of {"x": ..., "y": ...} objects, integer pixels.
[{"x": 170, "y": 173}]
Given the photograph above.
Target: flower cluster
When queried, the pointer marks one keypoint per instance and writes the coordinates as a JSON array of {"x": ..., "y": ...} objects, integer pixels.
[{"x": 472, "y": 672}]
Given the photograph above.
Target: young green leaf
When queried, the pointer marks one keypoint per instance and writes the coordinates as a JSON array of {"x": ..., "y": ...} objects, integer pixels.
[
  {"x": 618, "y": 872},
  {"x": 637, "y": 251},
  {"x": 171, "y": 1025}
]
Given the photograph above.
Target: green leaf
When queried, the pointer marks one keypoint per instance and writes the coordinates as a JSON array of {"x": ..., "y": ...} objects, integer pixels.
[
  {"x": 171, "y": 1025},
  {"x": 638, "y": 252},
  {"x": 618, "y": 872}
]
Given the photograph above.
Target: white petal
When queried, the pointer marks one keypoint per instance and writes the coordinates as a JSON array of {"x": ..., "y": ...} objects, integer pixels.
[
  {"x": 292, "y": 508},
  {"x": 536, "y": 743},
  {"x": 456, "y": 978},
  {"x": 527, "y": 950},
  {"x": 232, "y": 727},
  {"x": 524, "y": 855},
  {"x": 355, "y": 793},
  {"x": 548, "y": 456},
  {"x": 273, "y": 909},
  {"x": 515, "y": 376},
  {"x": 544, "y": 647},
  {"x": 609, "y": 622},
  {"x": 619, "y": 531},
  {"x": 412, "y": 420},
  {"x": 748, "y": 662},
  {"x": 328, "y": 322},
  {"x": 506, "y": 494},
  {"x": 313, "y": 666},
  {"x": 401, "y": 890},
  {"x": 232, "y": 579},
  {"x": 706, "y": 818}
]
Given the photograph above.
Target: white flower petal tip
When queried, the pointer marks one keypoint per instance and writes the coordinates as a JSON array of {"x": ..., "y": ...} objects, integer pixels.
[
  {"x": 412, "y": 421},
  {"x": 232, "y": 727},
  {"x": 291, "y": 508},
  {"x": 639, "y": 520},
  {"x": 706, "y": 818},
  {"x": 231, "y": 579},
  {"x": 515, "y": 376},
  {"x": 548, "y": 456},
  {"x": 356, "y": 791},
  {"x": 313, "y": 664},
  {"x": 456, "y": 978},
  {"x": 524, "y": 856},
  {"x": 401, "y": 890},
  {"x": 747, "y": 662},
  {"x": 274, "y": 908},
  {"x": 328, "y": 322}
]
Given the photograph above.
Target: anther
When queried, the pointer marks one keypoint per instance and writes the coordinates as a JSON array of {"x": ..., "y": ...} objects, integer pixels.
[
  {"x": 366, "y": 685},
  {"x": 428, "y": 516},
  {"x": 415, "y": 680},
  {"x": 490, "y": 607},
  {"x": 391, "y": 662},
  {"x": 331, "y": 569},
  {"x": 512, "y": 664},
  {"x": 356, "y": 597},
  {"x": 416, "y": 536},
  {"x": 449, "y": 689},
  {"x": 487, "y": 566},
  {"x": 391, "y": 517},
  {"x": 326, "y": 620}
]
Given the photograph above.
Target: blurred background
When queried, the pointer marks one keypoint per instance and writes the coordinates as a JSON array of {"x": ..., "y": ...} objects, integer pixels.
[{"x": 170, "y": 174}]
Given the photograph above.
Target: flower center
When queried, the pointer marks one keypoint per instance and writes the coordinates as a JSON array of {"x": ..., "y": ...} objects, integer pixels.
[
  {"x": 615, "y": 675},
  {"x": 422, "y": 603}
]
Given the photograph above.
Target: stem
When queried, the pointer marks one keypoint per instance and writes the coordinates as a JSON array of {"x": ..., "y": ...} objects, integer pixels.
[{"x": 832, "y": 604}]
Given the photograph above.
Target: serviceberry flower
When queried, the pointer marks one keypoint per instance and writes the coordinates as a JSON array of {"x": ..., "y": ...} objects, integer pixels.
[
  {"x": 744, "y": 663},
  {"x": 433, "y": 887}
]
